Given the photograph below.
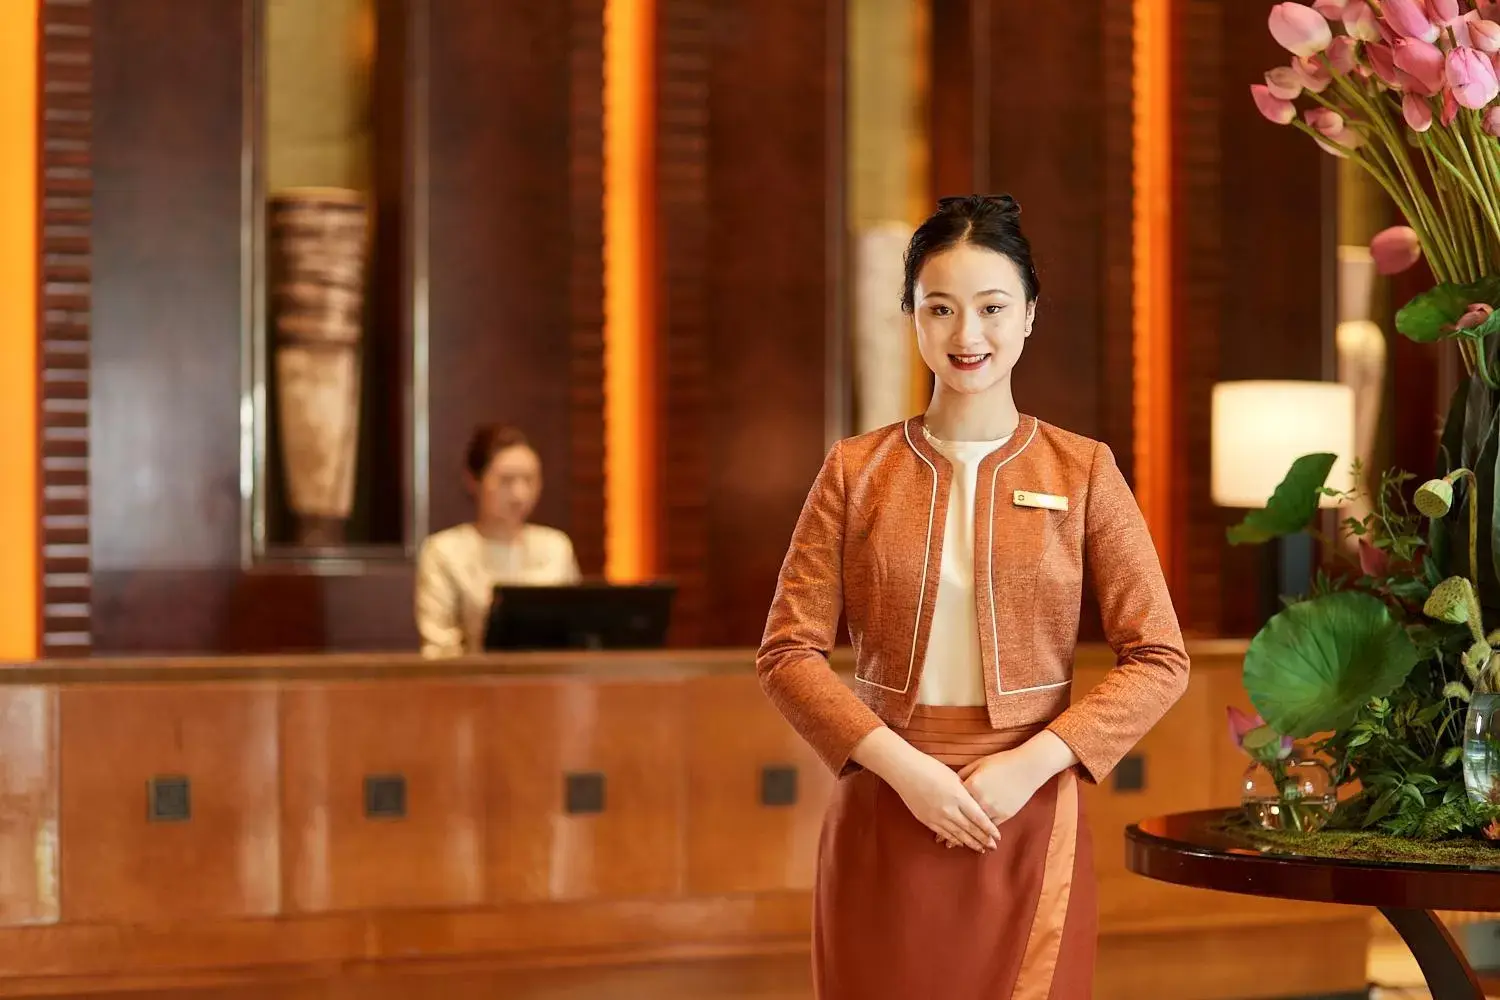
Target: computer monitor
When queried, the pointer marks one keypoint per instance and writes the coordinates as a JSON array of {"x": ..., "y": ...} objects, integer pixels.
[{"x": 580, "y": 616}]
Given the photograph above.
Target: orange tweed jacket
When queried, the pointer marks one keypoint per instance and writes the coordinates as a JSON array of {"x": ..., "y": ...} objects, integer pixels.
[{"x": 869, "y": 542}]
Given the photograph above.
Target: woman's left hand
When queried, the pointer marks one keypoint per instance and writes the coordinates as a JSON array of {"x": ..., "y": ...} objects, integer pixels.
[{"x": 1002, "y": 783}]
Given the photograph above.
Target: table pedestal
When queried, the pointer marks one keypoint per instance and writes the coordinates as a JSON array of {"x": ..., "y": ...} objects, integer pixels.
[{"x": 1443, "y": 964}]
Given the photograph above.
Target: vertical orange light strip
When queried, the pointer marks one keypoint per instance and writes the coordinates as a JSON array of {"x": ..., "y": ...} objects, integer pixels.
[
  {"x": 629, "y": 291},
  {"x": 18, "y": 327},
  {"x": 1152, "y": 234}
]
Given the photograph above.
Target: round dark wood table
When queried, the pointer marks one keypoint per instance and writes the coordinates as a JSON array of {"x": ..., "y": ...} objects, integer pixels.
[{"x": 1192, "y": 849}]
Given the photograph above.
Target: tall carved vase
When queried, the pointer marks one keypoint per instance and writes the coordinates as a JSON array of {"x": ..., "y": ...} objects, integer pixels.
[{"x": 318, "y": 241}]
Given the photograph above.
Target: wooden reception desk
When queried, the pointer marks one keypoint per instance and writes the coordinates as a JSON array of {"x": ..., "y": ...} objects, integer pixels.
[{"x": 314, "y": 826}]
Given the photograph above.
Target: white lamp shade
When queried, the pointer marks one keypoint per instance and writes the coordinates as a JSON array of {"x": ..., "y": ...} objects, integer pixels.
[{"x": 1261, "y": 427}]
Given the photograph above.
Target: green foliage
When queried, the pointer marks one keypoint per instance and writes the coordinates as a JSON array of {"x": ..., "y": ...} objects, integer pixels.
[
  {"x": 1291, "y": 507},
  {"x": 1315, "y": 663},
  {"x": 1430, "y": 316}
]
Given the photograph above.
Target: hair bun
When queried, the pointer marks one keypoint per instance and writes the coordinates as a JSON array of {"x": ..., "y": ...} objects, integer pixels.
[{"x": 1002, "y": 204}]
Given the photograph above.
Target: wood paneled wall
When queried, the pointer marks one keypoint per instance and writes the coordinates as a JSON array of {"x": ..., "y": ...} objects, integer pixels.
[
  {"x": 750, "y": 237},
  {"x": 514, "y": 187},
  {"x": 66, "y": 274},
  {"x": 1253, "y": 257},
  {"x": 1048, "y": 121}
]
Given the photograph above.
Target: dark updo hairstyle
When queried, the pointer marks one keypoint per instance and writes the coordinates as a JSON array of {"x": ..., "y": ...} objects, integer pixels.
[
  {"x": 487, "y": 441},
  {"x": 982, "y": 220}
]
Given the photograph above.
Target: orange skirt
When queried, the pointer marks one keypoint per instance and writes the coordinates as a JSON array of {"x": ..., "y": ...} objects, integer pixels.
[{"x": 901, "y": 916}]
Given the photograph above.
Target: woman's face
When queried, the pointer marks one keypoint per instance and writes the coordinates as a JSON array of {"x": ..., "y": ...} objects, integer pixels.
[
  {"x": 507, "y": 492},
  {"x": 972, "y": 317}
]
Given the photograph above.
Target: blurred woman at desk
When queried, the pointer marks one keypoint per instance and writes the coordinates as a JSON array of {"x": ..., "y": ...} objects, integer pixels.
[{"x": 458, "y": 569}]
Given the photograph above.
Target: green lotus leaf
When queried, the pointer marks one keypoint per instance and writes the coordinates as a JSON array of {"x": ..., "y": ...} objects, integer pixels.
[
  {"x": 1291, "y": 507},
  {"x": 1430, "y": 316},
  {"x": 1315, "y": 663}
]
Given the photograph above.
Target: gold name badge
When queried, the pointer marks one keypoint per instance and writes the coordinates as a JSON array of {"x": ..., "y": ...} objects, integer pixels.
[{"x": 1044, "y": 500}]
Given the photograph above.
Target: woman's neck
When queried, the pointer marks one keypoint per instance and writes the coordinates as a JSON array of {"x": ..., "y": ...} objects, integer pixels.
[
  {"x": 986, "y": 416},
  {"x": 496, "y": 531}
]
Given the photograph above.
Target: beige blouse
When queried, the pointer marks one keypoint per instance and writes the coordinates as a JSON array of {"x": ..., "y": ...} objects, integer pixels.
[
  {"x": 458, "y": 569},
  {"x": 954, "y": 671}
]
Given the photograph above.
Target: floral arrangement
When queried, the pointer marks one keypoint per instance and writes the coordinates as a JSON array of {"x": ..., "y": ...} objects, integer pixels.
[{"x": 1387, "y": 665}]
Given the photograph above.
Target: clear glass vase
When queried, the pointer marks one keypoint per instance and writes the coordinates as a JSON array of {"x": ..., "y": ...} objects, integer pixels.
[
  {"x": 1295, "y": 794},
  {"x": 1482, "y": 749}
]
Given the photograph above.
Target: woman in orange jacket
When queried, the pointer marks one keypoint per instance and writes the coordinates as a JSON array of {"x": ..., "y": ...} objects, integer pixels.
[{"x": 955, "y": 860}]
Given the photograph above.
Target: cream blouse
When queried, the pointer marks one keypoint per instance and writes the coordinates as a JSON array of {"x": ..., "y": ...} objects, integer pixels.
[
  {"x": 953, "y": 672},
  {"x": 458, "y": 569}
]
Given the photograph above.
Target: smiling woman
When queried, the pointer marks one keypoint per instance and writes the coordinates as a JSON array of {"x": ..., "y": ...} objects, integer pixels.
[
  {"x": 961, "y": 749},
  {"x": 18, "y": 472}
]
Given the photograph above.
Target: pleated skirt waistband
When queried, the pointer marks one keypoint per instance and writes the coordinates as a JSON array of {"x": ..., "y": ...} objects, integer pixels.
[{"x": 959, "y": 735}]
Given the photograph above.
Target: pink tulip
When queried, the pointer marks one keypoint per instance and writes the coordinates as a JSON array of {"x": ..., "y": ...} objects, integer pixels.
[
  {"x": 1383, "y": 62},
  {"x": 1331, "y": 9},
  {"x": 1240, "y": 723},
  {"x": 1359, "y": 21},
  {"x": 1342, "y": 55},
  {"x": 1475, "y": 315},
  {"x": 1485, "y": 36},
  {"x": 1444, "y": 11},
  {"x": 1417, "y": 112},
  {"x": 1491, "y": 122},
  {"x": 1423, "y": 64},
  {"x": 1284, "y": 83},
  {"x": 1395, "y": 249},
  {"x": 1450, "y": 109},
  {"x": 1314, "y": 75},
  {"x": 1280, "y": 111},
  {"x": 1299, "y": 29},
  {"x": 1472, "y": 77},
  {"x": 1409, "y": 20},
  {"x": 1331, "y": 125}
]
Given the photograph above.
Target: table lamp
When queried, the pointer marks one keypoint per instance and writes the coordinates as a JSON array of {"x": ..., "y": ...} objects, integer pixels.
[{"x": 1259, "y": 429}]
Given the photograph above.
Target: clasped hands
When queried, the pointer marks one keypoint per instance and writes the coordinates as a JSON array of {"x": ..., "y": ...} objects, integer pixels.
[{"x": 966, "y": 807}]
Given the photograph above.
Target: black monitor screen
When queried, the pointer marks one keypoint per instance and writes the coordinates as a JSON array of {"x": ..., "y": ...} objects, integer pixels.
[{"x": 582, "y": 616}]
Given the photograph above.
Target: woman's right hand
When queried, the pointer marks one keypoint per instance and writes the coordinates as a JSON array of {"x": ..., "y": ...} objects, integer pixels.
[{"x": 936, "y": 796}]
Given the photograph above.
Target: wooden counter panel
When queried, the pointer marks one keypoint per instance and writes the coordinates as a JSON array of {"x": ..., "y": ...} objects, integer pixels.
[
  {"x": 28, "y": 805},
  {"x": 615, "y": 748},
  {"x": 221, "y": 861},
  {"x": 736, "y": 842},
  {"x": 383, "y": 792}
]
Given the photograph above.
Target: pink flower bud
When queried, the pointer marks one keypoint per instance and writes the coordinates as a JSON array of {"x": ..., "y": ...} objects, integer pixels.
[
  {"x": 1417, "y": 112},
  {"x": 1314, "y": 75},
  {"x": 1485, "y": 36},
  {"x": 1444, "y": 11},
  {"x": 1395, "y": 249},
  {"x": 1373, "y": 561},
  {"x": 1284, "y": 83},
  {"x": 1359, "y": 21},
  {"x": 1276, "y": 109},
  {"x": 1409, "y": 20},
  {"x": 1383, "y": 62},
  {"x": 1342, "y": 55},
  {"x": 1491, "y": 122},
  {"x": 1472, "y": 76},
  {"x": 1450, "y": 108},
  {"x": 1331, "y": 125},
  {"x": 1423, "y": 64},
  {"x": 1241, "y": 723},
  {"x": 1331, "y": 9},
  {"x": 1299, "y": 29},
  {"x": 1474, "y": 316}
]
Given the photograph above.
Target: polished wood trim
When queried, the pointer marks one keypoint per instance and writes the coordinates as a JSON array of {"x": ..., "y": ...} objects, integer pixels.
[
  {"x": 1206, "y": 654},
  {"x": 66, "y": 274},
  {"x": 1183, "y": 849}
]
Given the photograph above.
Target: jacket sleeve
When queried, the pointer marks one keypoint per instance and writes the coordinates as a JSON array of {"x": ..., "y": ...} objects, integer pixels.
[
  {"x": 793, "y": 659},
  {"x": 1151, "y": 669}
]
